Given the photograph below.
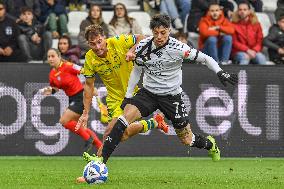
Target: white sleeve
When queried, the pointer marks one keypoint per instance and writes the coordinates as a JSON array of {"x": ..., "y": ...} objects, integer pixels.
[
  {"x": 200, "y": 57},
  {"x": 209, "y": 61},
  {"x": 133, "y": 80}
]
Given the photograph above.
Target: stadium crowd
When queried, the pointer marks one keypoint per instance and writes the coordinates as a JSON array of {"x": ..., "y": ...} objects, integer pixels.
[{"x": 229, "y": 31}]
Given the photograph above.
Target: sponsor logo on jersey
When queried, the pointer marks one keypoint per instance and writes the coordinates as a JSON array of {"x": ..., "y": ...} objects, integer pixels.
[{"x": 186, "y": 53}]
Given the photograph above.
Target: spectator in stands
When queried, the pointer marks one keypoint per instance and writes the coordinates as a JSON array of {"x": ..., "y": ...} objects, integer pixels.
[
  {"x": 34, "y": 40},
  {"x": 14, "y": 6},
  {"x": 247, "y": 39},
  {"x": 68, "y": 51},
  {"x": 216, "y": 32},
  {"x": 121, "y": 23},
  {"x": 94, "y": 17},
  {"x": 9, "y": 51},
  {"x": 275, "y": 41},
  {"x": 198, "y": 10},
  {"x": 257, "y": 4},
  {"x": 53, "y": 12},
  {"x": 169, "y": 7}
]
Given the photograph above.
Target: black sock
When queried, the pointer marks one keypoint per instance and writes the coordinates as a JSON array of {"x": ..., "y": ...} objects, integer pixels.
[
  {"x": 113, "y": 139},
  {"x": 202, "y": 142}
]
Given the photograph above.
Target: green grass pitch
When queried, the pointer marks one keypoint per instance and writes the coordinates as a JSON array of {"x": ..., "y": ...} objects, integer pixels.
[{"x": 152, "y": 173}]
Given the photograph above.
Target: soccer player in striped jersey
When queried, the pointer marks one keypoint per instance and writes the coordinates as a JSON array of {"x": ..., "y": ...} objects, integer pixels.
[
  {"x": 161, "y": 57},
  {"x": 64, "y": 75}
]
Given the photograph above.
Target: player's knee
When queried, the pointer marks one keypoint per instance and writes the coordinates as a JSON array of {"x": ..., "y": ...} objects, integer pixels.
[{"x": 131, "y": 113}]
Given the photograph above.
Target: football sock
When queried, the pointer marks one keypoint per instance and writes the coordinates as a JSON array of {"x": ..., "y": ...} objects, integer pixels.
[
  {"x": 114, "y": 138},
  {"x": 148, "y": 124},
  {"x": 81, "y": 131},
  {"x": 199, "y": 141},
  {"x": 96, "y": 141}
]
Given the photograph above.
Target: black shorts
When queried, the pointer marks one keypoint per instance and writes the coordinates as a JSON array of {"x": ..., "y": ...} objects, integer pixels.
[
  {"x": 76, "y": 103},
  {"x": 171, "y": 105}
]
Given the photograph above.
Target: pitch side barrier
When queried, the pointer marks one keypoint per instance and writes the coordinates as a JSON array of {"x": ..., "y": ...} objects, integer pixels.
[{"x": 247, "y": 120}]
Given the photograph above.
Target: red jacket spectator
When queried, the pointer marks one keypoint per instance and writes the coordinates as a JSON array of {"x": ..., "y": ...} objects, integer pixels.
[
  {"x": 248, "y": 34},
  {"x": 206, "y": 22}
]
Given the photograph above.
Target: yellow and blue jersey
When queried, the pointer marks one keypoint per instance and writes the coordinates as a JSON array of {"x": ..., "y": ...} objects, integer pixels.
[{"x": 113, "y": 70}]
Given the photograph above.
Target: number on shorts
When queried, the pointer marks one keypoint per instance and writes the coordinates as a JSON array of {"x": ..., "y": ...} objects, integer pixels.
[{"x": 177, "y": 116}]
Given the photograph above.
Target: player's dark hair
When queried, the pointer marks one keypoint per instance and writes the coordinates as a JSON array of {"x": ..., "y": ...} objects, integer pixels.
[
  {"x": 67, "y": 38},
  {"x": 93, "y": 30},
  {"x": 244, "y": 2},
  {"x": 160, "y": 20},
  {"x": 26, "y": 9}
]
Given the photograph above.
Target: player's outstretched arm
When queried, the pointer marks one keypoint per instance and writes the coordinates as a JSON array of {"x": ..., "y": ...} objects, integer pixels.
[{"x": 224, "y": 77}]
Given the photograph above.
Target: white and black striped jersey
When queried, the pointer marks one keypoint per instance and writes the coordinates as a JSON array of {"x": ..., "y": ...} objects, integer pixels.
[{"x": 162, "y": 68}]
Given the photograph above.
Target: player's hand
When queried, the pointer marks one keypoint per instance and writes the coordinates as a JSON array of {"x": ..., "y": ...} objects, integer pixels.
[
  {"x": 130, "y": 56},
  {"x": 124, "y": 102},
  {"x": 46, "y": 90},
  {"x": 225, "y": 77},
  {"x": 83, "y": 120}
]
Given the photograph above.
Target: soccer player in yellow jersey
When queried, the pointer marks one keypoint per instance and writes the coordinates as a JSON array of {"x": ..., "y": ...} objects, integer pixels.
[{"x": 111, "y": 60}]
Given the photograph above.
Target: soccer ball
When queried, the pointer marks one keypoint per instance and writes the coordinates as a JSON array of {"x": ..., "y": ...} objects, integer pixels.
[{"x": 95, "y": 172}]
